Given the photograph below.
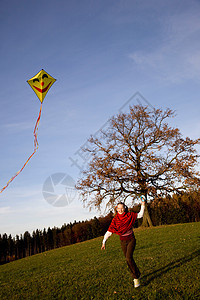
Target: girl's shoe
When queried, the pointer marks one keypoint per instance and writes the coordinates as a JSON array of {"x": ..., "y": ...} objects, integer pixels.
[{"x": 136, "y": 282}]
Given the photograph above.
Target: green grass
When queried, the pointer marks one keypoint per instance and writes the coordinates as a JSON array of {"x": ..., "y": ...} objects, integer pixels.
[{"x": 168, "y": 257}]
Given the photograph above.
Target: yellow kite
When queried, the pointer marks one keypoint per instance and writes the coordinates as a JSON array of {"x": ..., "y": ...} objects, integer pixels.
[{"x": 40, "y": 83}]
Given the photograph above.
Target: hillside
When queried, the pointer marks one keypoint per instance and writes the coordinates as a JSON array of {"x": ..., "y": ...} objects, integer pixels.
[{"x": 168, "y": 257}]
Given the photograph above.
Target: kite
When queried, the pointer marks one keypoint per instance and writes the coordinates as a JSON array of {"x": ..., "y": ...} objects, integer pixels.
[{"x": 41, "y": 84}]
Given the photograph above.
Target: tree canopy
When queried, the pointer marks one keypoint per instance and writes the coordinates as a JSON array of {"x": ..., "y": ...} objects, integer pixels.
[{"x": 138, "y": 154}]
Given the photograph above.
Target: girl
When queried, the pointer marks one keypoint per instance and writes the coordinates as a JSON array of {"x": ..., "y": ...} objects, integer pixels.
[{"x": 122, "y": 225}]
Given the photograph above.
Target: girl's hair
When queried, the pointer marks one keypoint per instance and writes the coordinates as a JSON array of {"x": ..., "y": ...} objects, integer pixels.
[{"x": 125, "y": 207}]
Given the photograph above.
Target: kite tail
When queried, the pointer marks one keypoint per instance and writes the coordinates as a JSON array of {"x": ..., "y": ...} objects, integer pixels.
[{"x": 35, "y": 149}]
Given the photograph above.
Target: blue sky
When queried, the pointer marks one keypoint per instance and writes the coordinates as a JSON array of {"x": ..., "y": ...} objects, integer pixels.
[{"x": 101, "y": 53}]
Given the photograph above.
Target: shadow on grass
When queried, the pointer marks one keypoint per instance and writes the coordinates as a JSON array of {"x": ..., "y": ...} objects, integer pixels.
[{"x": 172, "y": 265}]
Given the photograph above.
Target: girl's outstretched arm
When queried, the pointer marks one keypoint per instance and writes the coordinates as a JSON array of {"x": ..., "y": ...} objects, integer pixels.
[
  {"x": 106, "y": 236},
  {"x": 141, "y": 212}
]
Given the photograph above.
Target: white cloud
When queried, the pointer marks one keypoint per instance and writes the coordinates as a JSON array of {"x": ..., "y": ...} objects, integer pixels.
[
  {"x": 178, "y": 57},
  {"x": 19, "y": 126},
  {"x": 5, "y": 210},
  {"x": 30, "y": 211}
]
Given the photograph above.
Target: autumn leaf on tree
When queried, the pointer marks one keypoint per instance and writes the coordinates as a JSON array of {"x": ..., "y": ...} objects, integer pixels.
[{"x": 138, "y": 154}]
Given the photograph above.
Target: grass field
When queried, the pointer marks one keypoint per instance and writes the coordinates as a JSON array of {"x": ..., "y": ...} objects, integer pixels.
[{"x": 168, "y": 257}]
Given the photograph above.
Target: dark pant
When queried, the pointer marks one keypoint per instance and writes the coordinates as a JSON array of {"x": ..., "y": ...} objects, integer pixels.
[{"x": 128, "y": 247}]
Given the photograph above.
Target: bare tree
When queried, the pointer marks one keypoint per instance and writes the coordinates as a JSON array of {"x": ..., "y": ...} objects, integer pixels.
[{"x": 139, "y": 154}]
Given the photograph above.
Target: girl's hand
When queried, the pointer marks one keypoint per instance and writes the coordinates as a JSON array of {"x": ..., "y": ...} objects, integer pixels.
[
  {"x": 103, "y": 247},
  {"x": 142, "y": 200}
]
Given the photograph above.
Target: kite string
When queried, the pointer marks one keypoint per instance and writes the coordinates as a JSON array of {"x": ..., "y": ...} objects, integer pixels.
[{"x": 35, "y": 149}]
